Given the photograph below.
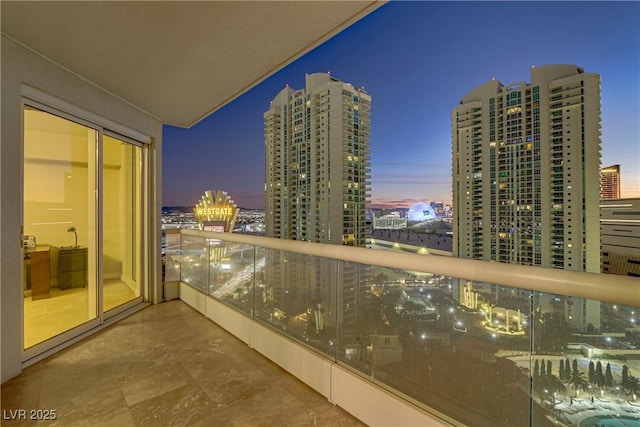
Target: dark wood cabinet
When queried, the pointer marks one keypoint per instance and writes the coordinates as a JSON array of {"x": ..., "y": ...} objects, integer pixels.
[
  {"x": 36, "y": 266},
  {"x": 72, "y": 267}
]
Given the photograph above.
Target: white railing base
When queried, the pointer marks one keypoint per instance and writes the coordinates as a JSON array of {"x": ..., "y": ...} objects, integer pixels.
[{"x": 369, "y": 403}]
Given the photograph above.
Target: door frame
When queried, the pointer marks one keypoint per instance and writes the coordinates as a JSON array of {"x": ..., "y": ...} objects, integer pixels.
[{"x": 34, "y": 98}]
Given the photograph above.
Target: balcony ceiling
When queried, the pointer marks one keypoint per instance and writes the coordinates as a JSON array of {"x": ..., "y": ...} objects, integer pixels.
[{"x": 178, "y": 61}]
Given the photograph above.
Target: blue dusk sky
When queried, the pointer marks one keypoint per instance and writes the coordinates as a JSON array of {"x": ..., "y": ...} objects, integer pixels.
[{"x": 417, "y": 60}]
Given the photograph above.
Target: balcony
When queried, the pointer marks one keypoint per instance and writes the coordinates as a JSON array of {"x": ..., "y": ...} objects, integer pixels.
[
  {"x": 198, "y": 373},
  {"x": 406, "y": 339},
  {"x": 130, "y": 96}
]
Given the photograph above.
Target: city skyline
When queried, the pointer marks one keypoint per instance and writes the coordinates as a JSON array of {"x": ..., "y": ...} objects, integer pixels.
[{"x": 417, "y": 60}]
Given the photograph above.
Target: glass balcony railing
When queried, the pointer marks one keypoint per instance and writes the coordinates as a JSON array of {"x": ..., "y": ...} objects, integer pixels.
[{"x": 482, "y": 343}]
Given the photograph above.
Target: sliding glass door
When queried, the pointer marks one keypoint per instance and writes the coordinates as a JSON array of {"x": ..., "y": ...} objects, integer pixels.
[
  {"x": 59, "y": 225},
  {"x": 82, "y": 226},
  {"x": 122, "y": 230}
]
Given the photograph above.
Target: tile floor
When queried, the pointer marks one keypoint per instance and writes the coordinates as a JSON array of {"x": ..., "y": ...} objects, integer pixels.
[
  {"x": 166, "y": 365},
  {"x": 66, "y": 309}
]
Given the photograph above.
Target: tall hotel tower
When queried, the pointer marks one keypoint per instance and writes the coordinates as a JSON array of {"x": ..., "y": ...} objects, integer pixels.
[
  {"x": 317, "y": 182},
  {"x": 317, "y": 162},
  {"x": 610, "y": 182},
  {"x": 526, "y": 173}
]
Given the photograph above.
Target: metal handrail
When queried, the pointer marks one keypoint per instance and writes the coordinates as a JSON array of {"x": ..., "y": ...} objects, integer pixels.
[{"x": 603, "y": 287}]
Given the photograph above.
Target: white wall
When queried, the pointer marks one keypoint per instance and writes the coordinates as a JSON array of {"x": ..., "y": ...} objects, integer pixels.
[
  {"x": 66, "y": 154},
  {"x": 21, "y": 71}
]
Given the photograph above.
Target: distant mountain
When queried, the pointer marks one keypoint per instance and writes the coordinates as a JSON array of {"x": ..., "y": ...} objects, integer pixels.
[{"x": 181, "y": 209}]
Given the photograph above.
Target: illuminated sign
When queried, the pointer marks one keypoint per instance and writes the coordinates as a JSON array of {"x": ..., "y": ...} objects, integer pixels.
[
  {"x": 216, "y": 211},
  {"x": 218, "y": 228}
]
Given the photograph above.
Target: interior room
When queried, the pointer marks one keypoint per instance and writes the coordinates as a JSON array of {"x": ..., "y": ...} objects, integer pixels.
[{"x": 81, "y": 186}]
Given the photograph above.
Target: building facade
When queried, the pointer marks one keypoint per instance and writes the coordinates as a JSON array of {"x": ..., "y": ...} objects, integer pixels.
[
  {"x": 317, "y": 182},
  {"x": 525, "y": 160},
  {"x": 389, "y": 222},
  {"x": 610, "y": 182},
  {"x": 317, "y": 162},
  {"x": 620, "y": 231}
]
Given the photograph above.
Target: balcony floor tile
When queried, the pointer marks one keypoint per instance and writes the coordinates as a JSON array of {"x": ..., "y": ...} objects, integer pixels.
[{"x": 167, "y": 365}]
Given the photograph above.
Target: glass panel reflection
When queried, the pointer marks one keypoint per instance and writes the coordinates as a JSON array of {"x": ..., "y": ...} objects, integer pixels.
[
  {"x": 587, "y": 362},
  {"x": 232, "y": 273},
  {"x": 59, "y": 225},
  {"x": 122, "y": 231},
  {"x": 479, "y": 353},
  {"x": 171, "y": 260},
  {"x": 296, "y": 294},
  {"x": 447, "y": 343},
  {"x": 194, "y": 269}
]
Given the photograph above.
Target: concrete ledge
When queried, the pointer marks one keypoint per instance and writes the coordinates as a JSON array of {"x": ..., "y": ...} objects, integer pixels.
[
  {"x": 373, "y": 405},
  {"x": 309, "y": 367},
  {"x": 193, "y": 297},
  {"x": 300, "y": 362},
  {"x": 233, "y": 321}
]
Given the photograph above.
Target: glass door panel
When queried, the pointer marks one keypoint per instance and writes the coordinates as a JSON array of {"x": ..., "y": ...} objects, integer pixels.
[
  {"x": 122, "y": 228},
  {"x": 59, "y": 217}
]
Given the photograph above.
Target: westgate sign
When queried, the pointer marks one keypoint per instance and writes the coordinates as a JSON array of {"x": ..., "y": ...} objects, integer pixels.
[{"x": 216, "y": 211}]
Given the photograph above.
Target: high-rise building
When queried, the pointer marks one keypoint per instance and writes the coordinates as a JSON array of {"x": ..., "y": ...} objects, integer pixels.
[
  {"x": 317, "y": 162},
  {"x": 317, "y": 182},
  {"x": 610, "y": 182},
  {"x": 526, "y": 163},
  {"x": 620, "y": 234}
]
